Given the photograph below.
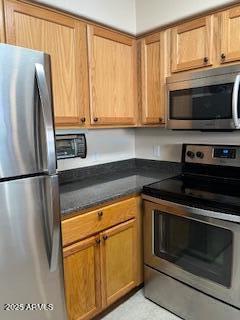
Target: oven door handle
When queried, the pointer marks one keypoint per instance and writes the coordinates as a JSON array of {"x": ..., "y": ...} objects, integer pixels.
[
  {"x": 235, "y": 102},
  {"x": 194, "y": 213}
]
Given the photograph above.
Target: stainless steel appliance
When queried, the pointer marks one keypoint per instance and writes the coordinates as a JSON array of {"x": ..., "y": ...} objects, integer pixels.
[
  {"x": 192, "y": 235},
  {"x": 31, "y": 273},
  {"x": 205, "y": 100},
  {"x": 71, "y": 146}
]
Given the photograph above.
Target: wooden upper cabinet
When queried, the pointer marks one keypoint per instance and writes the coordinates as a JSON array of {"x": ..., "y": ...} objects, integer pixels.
[
  {"x": 119, "y": 263},
  {"x": 152, "y": 103},
  {"x": 112, "y": 77},
  {"x": 82, "y": 279},
  {"x": 64, "y": 39},
  {"x": 192, "y": 44},
  {"x": 2, "y": 28},
  {"x": 230, "y": 35}
]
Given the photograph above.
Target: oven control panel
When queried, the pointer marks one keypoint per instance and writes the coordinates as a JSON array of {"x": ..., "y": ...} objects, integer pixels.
[{"x": 212, "y": 154}]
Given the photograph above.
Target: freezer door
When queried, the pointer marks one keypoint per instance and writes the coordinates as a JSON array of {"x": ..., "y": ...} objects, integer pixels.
[
  {"x": 31, "y": 268},
  {"x": 26, "y": 120}
]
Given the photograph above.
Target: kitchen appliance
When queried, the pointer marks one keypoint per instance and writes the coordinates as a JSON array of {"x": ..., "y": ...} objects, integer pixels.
[
  {"x": 71, "y": 146},
  {"x": 192, "y": 235},
  {"x": 31, "y": 271},
  {"x": 205, "y": 100}
]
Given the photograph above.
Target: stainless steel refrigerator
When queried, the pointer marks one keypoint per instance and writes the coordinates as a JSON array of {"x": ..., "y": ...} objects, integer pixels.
[{"x": 31, "y": 272}]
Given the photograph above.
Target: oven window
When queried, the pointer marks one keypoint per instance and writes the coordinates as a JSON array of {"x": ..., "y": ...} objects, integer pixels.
[
  {"x": 204, "y": 103},
  {"x": 202, "y": 249}
]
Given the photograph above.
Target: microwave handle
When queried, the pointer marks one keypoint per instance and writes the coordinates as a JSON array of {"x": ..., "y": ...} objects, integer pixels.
[{"x": 235, "y": 102}]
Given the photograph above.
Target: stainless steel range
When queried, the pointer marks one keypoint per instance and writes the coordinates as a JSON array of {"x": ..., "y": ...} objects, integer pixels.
[{"x": 192, "y": 236}]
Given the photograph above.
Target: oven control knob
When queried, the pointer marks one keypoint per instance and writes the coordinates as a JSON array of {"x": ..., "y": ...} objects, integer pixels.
[
  {"x": 200, "y": 154},
  {"x": 191, "y": 154}
]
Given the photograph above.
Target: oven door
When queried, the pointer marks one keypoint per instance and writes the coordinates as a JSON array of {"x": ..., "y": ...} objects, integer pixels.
[
  {"x": 210, "y": 103},
  {"x": 200, "y": 251}
]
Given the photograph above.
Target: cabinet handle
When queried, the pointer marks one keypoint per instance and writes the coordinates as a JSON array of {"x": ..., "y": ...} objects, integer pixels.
[
  {"x": 95, "y": 119},
  {"x": 100, "y": 214},
  {"x": 160, "y": 120},
  {"x": 223, "y": 56},
  {"x": 205, "y": 59},
  {"x": 83, "y": 120},
  {"x": 105, "y": 237},
  {"x": 98, "y": 241}
]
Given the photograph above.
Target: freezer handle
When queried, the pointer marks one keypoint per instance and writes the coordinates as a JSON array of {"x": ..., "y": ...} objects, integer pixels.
[
  {"x": 46, "y": 105},
  {"x": 52, "y": 223}
]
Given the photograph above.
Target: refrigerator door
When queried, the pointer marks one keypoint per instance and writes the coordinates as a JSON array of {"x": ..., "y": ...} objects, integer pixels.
[
  {"x": 31, "y": 271},
  {"x": 26, "y": 120}
]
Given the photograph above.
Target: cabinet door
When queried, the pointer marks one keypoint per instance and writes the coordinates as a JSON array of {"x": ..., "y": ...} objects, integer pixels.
[
  {"x": 192, "y": 44},
  {"x": 2, "y": 30},
  {"x": 118, "y": 261},
  {"x": 82, "y": 279},
  {"x": 230, "y": 35},
  {"x": 152, "y": 102},
  {"x": 65, "y": 40},
  {"x": 112, "y": 66}
]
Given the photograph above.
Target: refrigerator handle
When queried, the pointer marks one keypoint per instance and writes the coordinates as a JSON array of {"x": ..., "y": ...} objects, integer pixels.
[
  {"x": 45, "y": 99},
  {"x": 52, "y": 223}
]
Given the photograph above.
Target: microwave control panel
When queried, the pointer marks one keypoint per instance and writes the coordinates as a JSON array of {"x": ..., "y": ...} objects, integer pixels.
[{"x": 71, "y": 146}]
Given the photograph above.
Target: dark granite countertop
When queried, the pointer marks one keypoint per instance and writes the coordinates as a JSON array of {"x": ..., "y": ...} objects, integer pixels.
[{"x": 80, "y": 190}]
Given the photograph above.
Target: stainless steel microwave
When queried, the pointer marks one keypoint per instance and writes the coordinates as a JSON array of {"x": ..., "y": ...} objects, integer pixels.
[{"x": 205, "y": 100}]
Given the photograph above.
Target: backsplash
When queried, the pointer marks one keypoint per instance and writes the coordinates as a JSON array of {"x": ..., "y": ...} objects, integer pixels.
[
  {"x": 109, "y": 145},
  {"x": 103, "y": 146},
  {"x": 162, "y": 144}
]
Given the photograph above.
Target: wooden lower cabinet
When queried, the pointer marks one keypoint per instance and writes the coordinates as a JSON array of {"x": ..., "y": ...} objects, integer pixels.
[
  {"x": 100, "y": 270},
  {"x": 82, "y": 279},
  {"x": 118, "y": 262}
]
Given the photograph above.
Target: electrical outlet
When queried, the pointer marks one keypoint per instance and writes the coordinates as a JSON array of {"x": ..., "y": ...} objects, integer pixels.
[
  {"x": 96, "y": 156},
  {"x": 156, "y": 151}
]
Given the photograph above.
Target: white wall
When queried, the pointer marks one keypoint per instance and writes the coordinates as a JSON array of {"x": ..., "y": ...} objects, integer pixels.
[
  {"x": 135, "y": 16},
  {"x": 103, "y": 146},
  {"x": 162, "y": 144},
  {"x": 120, "y": 14},
  {"x": 154, "y": 13}
]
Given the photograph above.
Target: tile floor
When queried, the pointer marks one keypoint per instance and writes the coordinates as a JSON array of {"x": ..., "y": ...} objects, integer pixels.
[{"x": 139, "y": 308}]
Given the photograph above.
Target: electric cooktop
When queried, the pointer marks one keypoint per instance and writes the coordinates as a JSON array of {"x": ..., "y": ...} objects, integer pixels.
[{"x": 210, "y": 179}]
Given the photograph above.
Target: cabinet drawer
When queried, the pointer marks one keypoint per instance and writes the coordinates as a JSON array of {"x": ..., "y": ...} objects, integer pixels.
[{"x": 82, "y": 226}]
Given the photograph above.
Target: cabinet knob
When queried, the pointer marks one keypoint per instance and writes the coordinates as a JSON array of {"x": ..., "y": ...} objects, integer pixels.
[
  {"x": 223, "y": 56},
  {"x": 205, "y": 59},
  {"x": 105, "y": 237},
  {"x": 95, "y": 119},
  {"x": 100, "y": 214},
  {"x": 83, "y": 119},
  {"x": 98, "y": 241},
  {"x": 160, "y": 119}
]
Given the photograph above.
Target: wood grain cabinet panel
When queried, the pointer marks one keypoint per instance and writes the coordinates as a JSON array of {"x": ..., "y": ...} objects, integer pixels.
[
  {"x": 152, "y": 106},
  {"x": 112, "y": 68},
  {"x": 82, "y": 279},
  {"x": 2, "y": 27},
  {"x": 230, "y": 36},
  {"x": 64, "y": 39},
  {"x": 87, "y": 224},
  {"x": 118, "y": 261},
  {"x": 192, "y": 44},
  {"x": 102, "y": 268}
]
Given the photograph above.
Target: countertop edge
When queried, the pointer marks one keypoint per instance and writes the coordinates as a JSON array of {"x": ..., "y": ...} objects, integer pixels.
[{"x": 67, "y": 214}]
